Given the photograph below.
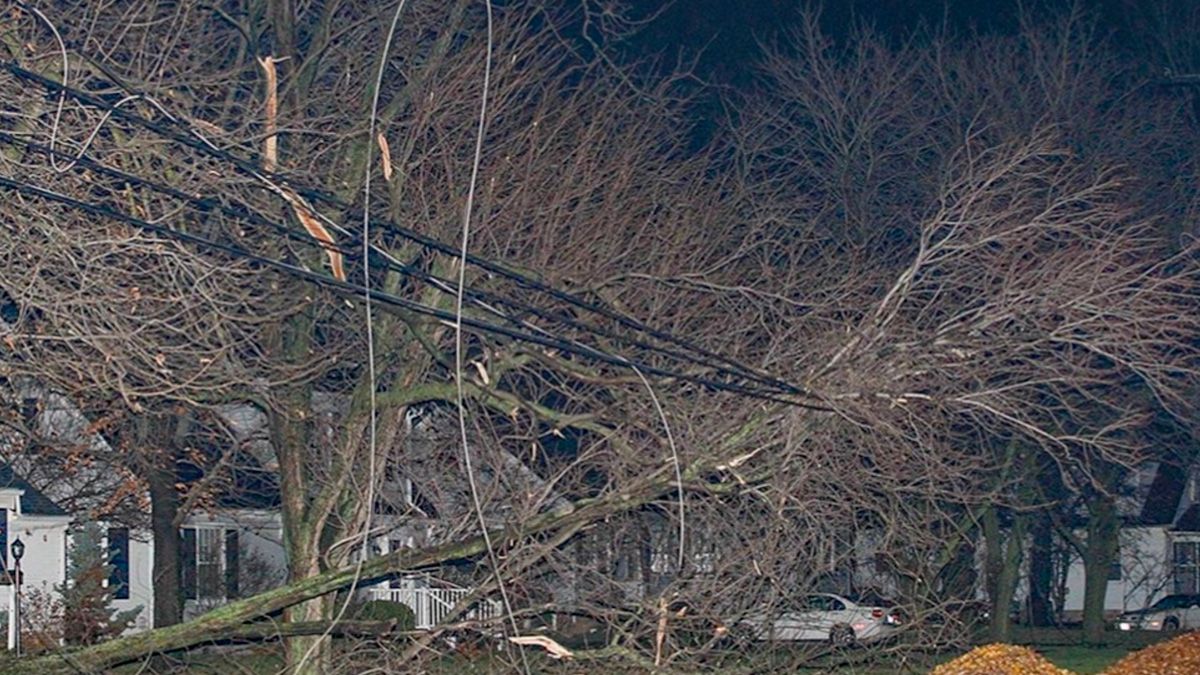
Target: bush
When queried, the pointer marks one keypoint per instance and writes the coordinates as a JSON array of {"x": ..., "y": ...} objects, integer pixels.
[{"x": 386, "y": 610}]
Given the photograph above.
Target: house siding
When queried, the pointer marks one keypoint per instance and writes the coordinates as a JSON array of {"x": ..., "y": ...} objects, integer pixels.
[{"x": 1145, "y": 573}]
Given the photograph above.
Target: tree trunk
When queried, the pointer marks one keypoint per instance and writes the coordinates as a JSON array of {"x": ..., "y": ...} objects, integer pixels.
[
  {"x": 306, "y": 655},
  {"x": 959, "y": 577},
  {"x": 164, "y": 507},
  {"x": 158, "y": 437},
  {"x": 1003, "y": 571},
  {"x": 1099, "y": 553},
  {"x": 1041, "y": 572},
  {"x": 290, "y": 431}
]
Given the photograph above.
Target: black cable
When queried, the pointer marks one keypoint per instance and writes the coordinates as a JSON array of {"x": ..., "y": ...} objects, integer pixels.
[
  {"x": 191, "y": 139},
  {"x": 357, "y": 291},
  {"x": 242, "y": 212}
]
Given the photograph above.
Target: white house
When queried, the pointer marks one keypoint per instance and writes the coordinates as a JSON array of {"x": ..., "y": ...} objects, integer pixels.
[
  {"x": 236, "y": 548},
  {"x": 1159, "y": 548},
  {"x": 40, "y": 525},
  {"x": 226, "y": 553},
  {"x": 1159, "y": 542}
]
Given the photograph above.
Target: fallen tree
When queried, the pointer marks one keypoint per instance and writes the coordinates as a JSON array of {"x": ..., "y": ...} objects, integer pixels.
[{"x": 229, "y": 621}]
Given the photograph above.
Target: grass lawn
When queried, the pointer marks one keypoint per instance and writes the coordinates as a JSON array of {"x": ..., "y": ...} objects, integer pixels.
[
  {"x": 1061, "y": 646},
  {"x": 1081, "y": 659}
]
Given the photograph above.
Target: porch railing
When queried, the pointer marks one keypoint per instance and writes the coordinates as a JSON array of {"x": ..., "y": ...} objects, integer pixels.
[{"x": 431, "y": 606}]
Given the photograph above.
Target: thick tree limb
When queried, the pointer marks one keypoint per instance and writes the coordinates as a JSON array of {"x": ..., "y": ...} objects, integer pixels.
[{"x": 228, "y": 620}]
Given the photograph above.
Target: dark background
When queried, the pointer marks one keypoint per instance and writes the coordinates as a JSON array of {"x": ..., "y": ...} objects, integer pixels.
[{"x": 726, "y": 33}]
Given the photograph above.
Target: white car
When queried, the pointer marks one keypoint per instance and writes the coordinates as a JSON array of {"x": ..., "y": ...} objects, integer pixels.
[
  {"x": 825, "y": 617},
  {"x": 1174, "y": 612}
]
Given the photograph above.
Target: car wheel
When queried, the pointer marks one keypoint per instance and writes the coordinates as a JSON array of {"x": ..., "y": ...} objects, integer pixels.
[
  {"x": 1171, "y": 624},
  {"x": 841, "y": 636}
]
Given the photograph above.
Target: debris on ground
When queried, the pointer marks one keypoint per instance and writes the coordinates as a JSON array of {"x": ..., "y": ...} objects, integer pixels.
[
  {"x": 1000, "y": 659},
  {"x": 1180, "y": 656}
]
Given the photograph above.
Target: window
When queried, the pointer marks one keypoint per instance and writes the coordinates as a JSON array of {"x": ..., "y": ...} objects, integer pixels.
[
  {"x": 209, "y": 563},
  {"x": 823, "y": 603},
  {"x": 231, "y": 564},
  {"x": 4, "y": 538},
  {"x": 1187, "y": 567},
  {"x": 118, "y": 562}
]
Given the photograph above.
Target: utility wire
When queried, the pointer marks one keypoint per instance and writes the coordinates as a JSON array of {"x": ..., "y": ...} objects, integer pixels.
[
  {"x": 480, "y": 298},
  {"x": 191, "y": 138},
  {"x": 357, "y": 291}
]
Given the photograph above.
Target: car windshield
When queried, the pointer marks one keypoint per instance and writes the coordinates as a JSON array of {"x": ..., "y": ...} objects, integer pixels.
[
  {"x": 821, "y": 603},
  {"x": 1174, "y": 602},
  {"x": 871, "y": 600}
]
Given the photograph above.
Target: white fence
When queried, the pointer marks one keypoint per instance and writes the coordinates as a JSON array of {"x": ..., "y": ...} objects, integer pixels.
[{"x": 431, "y": 606}]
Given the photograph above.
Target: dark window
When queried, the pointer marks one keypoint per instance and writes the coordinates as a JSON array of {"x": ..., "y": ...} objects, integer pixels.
[
  {"x": 187, "y": 563},
  {"x": 231, "y": 564},
  {"x": 4, "y": 538},
  {"x": 816, "y": 603},
  {"x": 30, "y": 407},
  {"x": 208, "y": 563},
  {"x": 1187, "y": 567},
  {"x": 1114, "y": 570},
  {"x": 118, "y": 562}
]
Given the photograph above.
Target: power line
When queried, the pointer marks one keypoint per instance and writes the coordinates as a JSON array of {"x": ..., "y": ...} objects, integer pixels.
[
  {"x": 389, "y": 299},
  {"x": 192, "y": 139},
  {"x": 480, "y": 297}
]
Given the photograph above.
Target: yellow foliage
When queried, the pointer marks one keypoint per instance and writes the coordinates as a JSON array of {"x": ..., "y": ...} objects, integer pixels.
[
  {"x": 1000, "y": 659},
  {"x": 1180, "y": 656}
]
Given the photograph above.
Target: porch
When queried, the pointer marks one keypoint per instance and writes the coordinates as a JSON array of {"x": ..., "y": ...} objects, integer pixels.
[{"x": 433, "y": 600}]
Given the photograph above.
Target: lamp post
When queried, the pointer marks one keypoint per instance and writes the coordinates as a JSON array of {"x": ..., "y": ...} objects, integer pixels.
[{"x": 18, "y": 552}]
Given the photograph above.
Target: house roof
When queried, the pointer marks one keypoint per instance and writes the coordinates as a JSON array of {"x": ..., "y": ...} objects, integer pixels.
[
  {"x": 1190, "y": 520},
  {"x": 1162, "y": 499},
  {"x": 33, "y": 502},
  {"x": 248, "y": 485}
]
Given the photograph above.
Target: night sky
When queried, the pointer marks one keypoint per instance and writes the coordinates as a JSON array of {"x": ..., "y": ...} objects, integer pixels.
[{"x": 731, "y": 29}]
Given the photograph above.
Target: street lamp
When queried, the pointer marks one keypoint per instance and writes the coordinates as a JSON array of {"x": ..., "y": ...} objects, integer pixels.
[{"x": 18, "y": 552}]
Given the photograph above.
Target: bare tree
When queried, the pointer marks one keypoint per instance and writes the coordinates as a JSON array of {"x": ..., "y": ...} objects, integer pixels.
[{"x": 940, "y": 288}]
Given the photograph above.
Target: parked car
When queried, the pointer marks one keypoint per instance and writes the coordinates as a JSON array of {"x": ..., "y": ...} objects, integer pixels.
[
  {"x": 1174, "y": 612},
  {"x": 825, "y": 617}
]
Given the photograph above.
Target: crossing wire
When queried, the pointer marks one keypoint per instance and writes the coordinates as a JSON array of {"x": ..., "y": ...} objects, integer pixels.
[
  {"x": 189, "y": 137},
  {"x": 388, "y": 299},
  {"x": 481, "y": 298}
]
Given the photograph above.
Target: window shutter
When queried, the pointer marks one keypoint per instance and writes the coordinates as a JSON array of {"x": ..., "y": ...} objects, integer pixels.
[
  {"x": 232, "y": 556},
  {"x": 187, "y": 562},
  {"x": 4, "y": 538}
]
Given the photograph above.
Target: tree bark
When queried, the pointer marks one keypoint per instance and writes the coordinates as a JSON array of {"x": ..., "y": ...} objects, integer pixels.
[
  {"x": 164, "y": 507},
  {"x": 1003, "y": 571},
  {"x": 1041, "y": 572},
  {"x": 1098, "y": 554},
  {"x": 158, "y": 438}
]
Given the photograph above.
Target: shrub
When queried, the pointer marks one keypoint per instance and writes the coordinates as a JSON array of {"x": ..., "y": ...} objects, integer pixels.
[
  {"x": 88, "y": 615},
  {"x": 386, "y": 610}
]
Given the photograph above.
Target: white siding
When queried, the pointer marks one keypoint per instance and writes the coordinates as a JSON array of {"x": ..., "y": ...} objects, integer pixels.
[
  {"x": 141, "y": 585},
  {"x": 1145, "y": 573},
  {"x": 44, "y": 564}
]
